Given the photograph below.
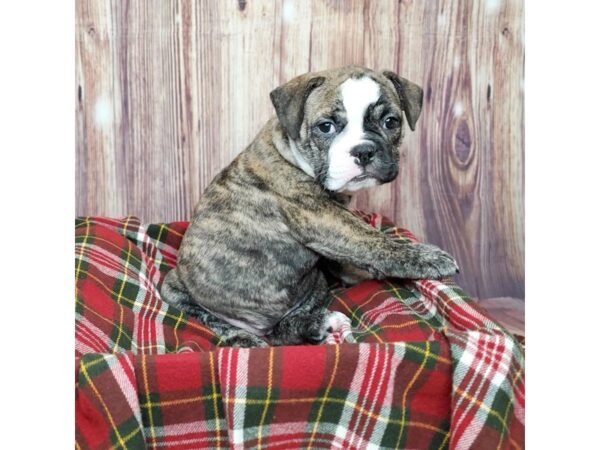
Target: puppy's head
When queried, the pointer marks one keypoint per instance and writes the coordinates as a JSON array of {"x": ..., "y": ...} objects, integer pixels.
[{"x": 345, "y": 125}]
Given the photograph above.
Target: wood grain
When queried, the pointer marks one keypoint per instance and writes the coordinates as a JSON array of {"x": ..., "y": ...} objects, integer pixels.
[
  {"x": 510, "y": 312},
  {"x": 168, "y": 92}
]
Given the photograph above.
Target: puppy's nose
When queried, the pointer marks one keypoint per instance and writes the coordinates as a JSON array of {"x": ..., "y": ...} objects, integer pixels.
[{"x": 363, "y": 154}]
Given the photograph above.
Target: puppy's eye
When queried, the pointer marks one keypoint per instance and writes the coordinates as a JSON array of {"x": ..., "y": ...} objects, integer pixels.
[
  {"x": 326, "y": 127},
  {"x": 391, "y": 123}
]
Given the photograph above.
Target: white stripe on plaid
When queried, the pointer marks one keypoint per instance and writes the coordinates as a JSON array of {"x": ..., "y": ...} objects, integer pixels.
[
  {"x": 425, "y": 307},
  {"x": 474, "y": 359},
  {"x": 362, "y": 377},
  {"x": 128, "y": 388},
  {"x": 187, "y": 434},
  {"x": 149, "y": 310},
  {"x": 362, "y": 383},
  {"x": 383, "y": 378},
  {"x": 83, "y": 348},
  {"x": 237, "y": 380},
  {"x": 488, "y": 357},
  {"x": 97, "y": 339},
  {"x": 388, "y": 307},
  {"x": 469, "y": 320}
]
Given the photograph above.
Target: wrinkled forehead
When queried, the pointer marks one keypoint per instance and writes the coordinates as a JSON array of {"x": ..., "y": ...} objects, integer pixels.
[{"x": 363, "y": 95}]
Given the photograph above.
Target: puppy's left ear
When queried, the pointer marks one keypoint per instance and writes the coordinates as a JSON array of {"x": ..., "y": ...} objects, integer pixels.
[
  {"x": 289, "y": 101},
  {"x": 411, "y": 97}
]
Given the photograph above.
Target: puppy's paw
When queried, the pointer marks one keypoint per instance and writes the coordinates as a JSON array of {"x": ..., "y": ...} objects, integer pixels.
[
  {"x": 330, "y": 322},
  {"x": 336, "y": 320},
  {"x": 426, "y": 261},
  {"x": 242, "y": 339}
]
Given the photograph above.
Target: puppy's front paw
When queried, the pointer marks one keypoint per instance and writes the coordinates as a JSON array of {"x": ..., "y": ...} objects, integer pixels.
[{"x": 426, "y": 261}]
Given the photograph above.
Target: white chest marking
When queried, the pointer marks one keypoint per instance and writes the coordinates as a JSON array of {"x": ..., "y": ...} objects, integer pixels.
[{"x": 357, "y": 95}]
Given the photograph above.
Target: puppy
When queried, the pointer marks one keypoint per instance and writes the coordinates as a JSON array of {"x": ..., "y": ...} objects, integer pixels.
[{"x": 250, "y": 264}]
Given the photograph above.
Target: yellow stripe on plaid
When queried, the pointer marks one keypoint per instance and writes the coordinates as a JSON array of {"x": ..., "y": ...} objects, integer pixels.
[
  {"x": 445, "y": 441},
  {"x": 213, "y": 382},
  {"x": 119, "y": 327},
  {"x": 515, "y": 444},
  {"x": 518, "y": 375},
  {"x": 408, "y": 386},
  {"x": 325, "y": 398},
  {"x": 122, "y": 439},
  {"x": 171, "y": 231},
  {"x": 370, "y": 299},
  {"x": 397, "y": 297},
  {"x": 160, "y": 231},
  {"x": 268, "y": 399},
  {"x": 394, "y": 326},
  {"x": 131, "y": 341},
  {"x": 394, "y": 289},
  {"x": 175, "y": 333},
  {"x": 181, "y": 401},
  {"x": 369, "y": 330},
  {"x": 509, "y": 404},
  {"x": 215, "y": 395},
  {"x": 119, "y": 296},
  {"x": 116, "y": 246},
  {"x": 148, "y": 401},
  {"x": 112, "y": 244},
  {"x": 359, "y": 320},
  {"x": 126, "y": 224},
  {"x": 345, "y": 402},
  {"x": 426, "y": 352},
  {"x": 150, "y": 308},
  {"x": 483, "y": 406},
  {"x": 90, "y": 364},
  {"x": 83, "y": 244}
]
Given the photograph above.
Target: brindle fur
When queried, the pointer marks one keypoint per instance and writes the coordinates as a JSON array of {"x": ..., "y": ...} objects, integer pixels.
[{"x": 252, "y": 250}]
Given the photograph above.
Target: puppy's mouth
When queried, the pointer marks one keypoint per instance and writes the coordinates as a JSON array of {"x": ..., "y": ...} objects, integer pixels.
[
  {"x": 368, "y": 175},
  {"x": 362, "y": 177},
  {"x": 382, "y": 176}
]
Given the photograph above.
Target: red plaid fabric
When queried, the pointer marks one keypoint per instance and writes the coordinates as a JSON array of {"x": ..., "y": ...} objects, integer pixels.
[{"x": 419, "y": 365}]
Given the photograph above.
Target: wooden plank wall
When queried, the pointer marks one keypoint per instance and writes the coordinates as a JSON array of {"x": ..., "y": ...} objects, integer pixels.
[{"x": 168, "y": 92}]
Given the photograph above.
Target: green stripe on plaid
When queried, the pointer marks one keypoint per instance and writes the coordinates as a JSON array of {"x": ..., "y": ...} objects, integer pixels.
[{"x": 97, "y": 373}]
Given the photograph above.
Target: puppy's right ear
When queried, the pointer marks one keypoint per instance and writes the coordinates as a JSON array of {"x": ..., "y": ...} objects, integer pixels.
[{"x": 289, "y": 101}]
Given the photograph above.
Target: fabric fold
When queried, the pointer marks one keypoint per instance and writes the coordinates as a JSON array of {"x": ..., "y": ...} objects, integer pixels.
[{"x": 419, "y": 365}]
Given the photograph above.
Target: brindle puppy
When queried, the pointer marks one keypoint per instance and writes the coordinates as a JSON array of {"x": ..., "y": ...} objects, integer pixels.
[{"x": 248, "y": 263}]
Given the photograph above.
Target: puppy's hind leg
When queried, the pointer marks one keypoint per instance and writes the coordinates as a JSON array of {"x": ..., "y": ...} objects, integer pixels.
[
  {"x": 174, "y": 292},
  {"x": 231, "y": 336},
  {"x": 310, "y": 322}
]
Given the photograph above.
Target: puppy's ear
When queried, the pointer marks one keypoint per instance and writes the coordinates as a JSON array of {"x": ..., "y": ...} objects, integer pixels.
[
  {"x": 411, "y": 97},
  {"x": 289, "y": 101}
]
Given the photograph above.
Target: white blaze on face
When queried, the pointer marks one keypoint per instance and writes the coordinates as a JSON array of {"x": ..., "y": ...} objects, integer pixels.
[{"x": 357, "y": 95}]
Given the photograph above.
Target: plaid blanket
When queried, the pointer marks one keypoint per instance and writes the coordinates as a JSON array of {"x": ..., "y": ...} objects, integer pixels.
[{"x": 419, "y": 366}]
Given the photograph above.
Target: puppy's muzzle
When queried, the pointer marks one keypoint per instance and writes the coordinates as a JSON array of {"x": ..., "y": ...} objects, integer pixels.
[
  {"x": 363, "y": 154},
  {"x": 376, "y": 160}
]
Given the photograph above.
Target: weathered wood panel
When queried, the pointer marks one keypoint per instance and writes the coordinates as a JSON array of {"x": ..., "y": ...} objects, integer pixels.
[{"x": 168, "y": 92}]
